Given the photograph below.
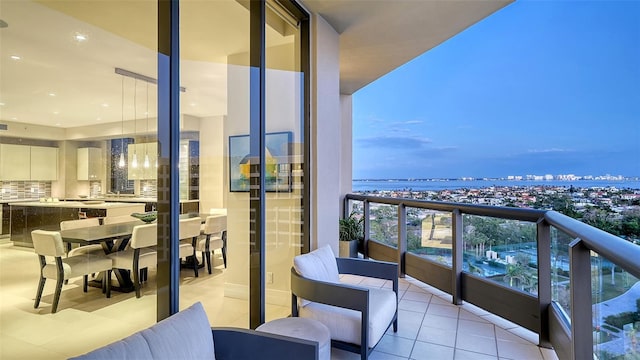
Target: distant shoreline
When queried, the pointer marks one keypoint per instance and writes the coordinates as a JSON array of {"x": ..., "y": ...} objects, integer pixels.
[{"x": 450, "y": 184}]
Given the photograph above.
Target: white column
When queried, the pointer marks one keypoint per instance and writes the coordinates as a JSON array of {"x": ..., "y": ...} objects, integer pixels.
[{"x": 326, "y": 134}]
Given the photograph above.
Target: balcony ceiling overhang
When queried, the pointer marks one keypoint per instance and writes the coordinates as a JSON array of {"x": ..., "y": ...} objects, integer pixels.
[{"x": 377, "y": 36}]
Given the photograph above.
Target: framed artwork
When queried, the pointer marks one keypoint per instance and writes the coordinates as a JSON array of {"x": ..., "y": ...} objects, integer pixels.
[{"x": 278, "y": 168}]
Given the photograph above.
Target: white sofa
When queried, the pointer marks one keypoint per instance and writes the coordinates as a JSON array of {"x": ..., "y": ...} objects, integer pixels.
[{"x": 187, "y": 335}]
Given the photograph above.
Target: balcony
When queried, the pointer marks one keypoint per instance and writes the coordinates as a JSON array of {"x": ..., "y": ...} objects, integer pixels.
[
  {"x": 575, "y": 287},
  {"x": 452, "y": 305}
]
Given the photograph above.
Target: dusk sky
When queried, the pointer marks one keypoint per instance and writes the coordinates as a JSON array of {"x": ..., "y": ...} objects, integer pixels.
[{"x": 539, "y": 87}]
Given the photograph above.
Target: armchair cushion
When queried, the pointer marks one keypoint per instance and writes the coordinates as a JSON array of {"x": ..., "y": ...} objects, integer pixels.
[
  {"x": 319, "y": 265},
  {"x": 344, "y": 324}
]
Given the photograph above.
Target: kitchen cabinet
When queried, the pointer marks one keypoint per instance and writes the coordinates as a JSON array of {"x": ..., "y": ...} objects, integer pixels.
[
  {"x": 90, "y": 164},
  {"x": 140, "y": 172},
  {"x": 44, "y": 163},
  {"x": 14, "y": 162},
  {"x": 189, "y": 172},
  {"x": 23, "y": 162}
]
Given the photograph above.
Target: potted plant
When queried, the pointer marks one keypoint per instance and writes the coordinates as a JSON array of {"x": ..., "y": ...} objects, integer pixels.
[{"x": 351, "y": 232}]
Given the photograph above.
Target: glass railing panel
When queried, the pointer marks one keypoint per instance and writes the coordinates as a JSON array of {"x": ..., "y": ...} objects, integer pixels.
[
  {"x": 383, "y": 224},
  {"x": 429, "y": 234},
  {"x": 560, "y": 285},
  {"x": 616, "y": 311},
  {"x": 504, "y": 251}
]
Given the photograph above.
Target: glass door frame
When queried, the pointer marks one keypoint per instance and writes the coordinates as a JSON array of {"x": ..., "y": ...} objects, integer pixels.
[{"x": 168, "y": 274}]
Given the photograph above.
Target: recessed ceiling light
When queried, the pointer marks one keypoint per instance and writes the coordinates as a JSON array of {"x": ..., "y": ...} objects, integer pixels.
[
  {"x": 14, "y": 118},
  {"x": 192, "y": 104},
  {"x": 80, "y": 37},
  {"x": 52, "y": 94},
  {"x": 57, "y": 124},
  {"x": 15, "y": 57},
  {"x": 56, "y": 112},
  {"x": 99, "y": 119},
  {"x": 1, "y": 104},
  {"x": 105, "y": 105}
]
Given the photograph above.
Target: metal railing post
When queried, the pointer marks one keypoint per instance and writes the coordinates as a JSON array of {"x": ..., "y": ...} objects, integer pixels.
[
  {"x": 544, "y": 280},
  {"x": 366, "y": 227},
  {"x": 581, "y": 313},
  {"x": 402, "y": 239},
  {"x": 456, "y": 256}
]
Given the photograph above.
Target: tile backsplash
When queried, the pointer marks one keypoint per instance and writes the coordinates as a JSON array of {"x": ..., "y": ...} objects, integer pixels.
[{"x": 27, "y": 190}]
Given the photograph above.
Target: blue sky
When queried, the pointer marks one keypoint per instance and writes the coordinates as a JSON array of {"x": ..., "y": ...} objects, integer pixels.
[{"x": 544, "y": 87}]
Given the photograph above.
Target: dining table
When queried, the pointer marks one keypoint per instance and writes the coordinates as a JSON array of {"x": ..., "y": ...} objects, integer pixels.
[{"x": 106, "y": 235}]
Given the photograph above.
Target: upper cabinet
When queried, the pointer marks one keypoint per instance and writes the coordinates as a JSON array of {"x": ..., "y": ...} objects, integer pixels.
[
  {"x": 137, "y": 170},
  {"x": 14, "y": 162},
  {"x": 44, "y": 163},
  {"x": 90, "y": 164},
  {"x": 23, "y": 162}
]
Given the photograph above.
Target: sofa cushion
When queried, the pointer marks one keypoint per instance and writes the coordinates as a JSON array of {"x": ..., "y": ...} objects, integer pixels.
[
  {"x": 344, "y": 324},
  {"x": 185, "y": 335}
]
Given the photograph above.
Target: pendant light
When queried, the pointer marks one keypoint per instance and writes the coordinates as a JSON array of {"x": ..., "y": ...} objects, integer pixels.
[
  {"x": 134, "y": 160},
  {"x": 146, "y": 148},
  {"x": 121, "y": 162}
]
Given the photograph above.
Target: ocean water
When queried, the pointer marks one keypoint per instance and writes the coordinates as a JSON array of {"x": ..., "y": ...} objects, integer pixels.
[{"x": 437, "y": 185}]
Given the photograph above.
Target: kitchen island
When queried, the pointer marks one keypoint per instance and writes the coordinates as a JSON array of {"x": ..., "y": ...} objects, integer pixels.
[
  {"x": 32, "y": 215},
  {"x": 151, "y": 203}
]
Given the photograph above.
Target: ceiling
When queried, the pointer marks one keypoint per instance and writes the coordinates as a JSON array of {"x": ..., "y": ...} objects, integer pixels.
[
  {"x": 61, "y": 81},
  {"x": 378, "y": 36}
]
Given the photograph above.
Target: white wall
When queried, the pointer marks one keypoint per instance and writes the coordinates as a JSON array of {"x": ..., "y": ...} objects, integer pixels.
[
  {"x": 212, "y": 155},
  {"x": 326, "y": 134}
]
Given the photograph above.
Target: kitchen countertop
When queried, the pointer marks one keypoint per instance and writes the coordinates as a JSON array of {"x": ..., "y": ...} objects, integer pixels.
[
  {"x": 125, "y": 199},
  {"x": 74, "y": 204}
]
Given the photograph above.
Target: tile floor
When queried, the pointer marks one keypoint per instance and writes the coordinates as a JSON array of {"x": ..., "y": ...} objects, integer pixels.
[{"x": 430, "y": 327}]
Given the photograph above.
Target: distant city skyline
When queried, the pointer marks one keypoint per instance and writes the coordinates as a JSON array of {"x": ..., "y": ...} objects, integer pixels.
[{"x": 536, "y": 88}]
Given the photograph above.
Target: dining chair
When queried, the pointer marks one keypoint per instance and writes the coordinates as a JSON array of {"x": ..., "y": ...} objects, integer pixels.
[
  {"x": 140, "y": 253},
  {"x": 95, "y": 249},
  {"x": 215, "y": 237},
  {"x": 49, "y": 244},
  {"x": 120, "y": 219},
  {"x": 189, "y": 231}
]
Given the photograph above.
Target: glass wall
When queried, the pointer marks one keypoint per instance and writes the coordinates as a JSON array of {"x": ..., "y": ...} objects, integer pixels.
[
  {"x": 214, "y": 110},
  {"x": 78, "y": 93},
  {"x": 80, "y": 103},
  {"x": 504, "y": 251},
  {"x": 284, "y": 95},
  {"x": 429, "y": 234}
]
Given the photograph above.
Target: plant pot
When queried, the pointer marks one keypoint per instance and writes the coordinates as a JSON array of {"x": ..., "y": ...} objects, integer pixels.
[{"x": 348, "y": 248}]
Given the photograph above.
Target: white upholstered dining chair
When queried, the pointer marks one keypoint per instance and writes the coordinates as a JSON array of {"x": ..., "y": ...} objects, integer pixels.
[
  {"x": 189, "y": 231},
  {"x": 49, "y": 244},
  {"x": 95, "y": 249},
  {"x": 140, "y": 253},
  {"x": 215, "y": 237}
]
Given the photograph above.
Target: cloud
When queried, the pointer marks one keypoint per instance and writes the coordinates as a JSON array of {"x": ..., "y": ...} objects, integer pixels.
[
  {"x": 393, "y": 142},
  {"x": 407, "y": 122},
  {"x": 552, "y": 150}
]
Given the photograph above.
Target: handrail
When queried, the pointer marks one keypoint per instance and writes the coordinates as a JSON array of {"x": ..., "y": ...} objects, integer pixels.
[
  {"x": 619, "y": 251},
  {"x": 532, "y": 215}
]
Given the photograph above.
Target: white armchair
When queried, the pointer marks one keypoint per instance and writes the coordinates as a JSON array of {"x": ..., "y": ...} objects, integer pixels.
[{"x": 351, "y": 313}]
